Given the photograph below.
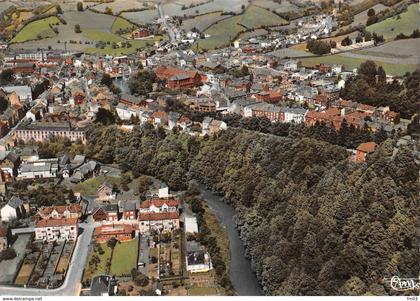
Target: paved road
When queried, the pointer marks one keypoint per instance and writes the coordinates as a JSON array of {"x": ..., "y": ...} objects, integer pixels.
[
  {"x": 71, "y": 285},
  {"x": 168, "y": 28},
  {"x": 144, "y": 253}
]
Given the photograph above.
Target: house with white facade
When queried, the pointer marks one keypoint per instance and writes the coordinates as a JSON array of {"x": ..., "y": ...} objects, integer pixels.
[
  {"x": 40, "y": 169},
  {"x": 56, "y": 229},
  {"x": 197, "y": 259},
  {"x": 14, "y": 209},
  {"x": 296, "y": 115}
]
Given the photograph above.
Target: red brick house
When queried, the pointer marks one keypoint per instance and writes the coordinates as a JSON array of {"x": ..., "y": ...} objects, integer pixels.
[
  {"x": 107, "y": 212},
  {"x": 121, "y": 232},
  {"x": 140, "y": 33},
  {"x": 129, "y": 211},
  {"x": 364, "y": 149},
  {"x": 177, "y": 79}
]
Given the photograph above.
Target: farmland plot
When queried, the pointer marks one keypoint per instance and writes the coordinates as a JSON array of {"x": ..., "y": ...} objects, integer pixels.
[
  {"x": 37, "y": 30},
  {"x": 203, "y": 22},
  {"x": 404, "y": 23},
  {"x": 142, "y": 17},
  {"x": 222, "y": 33}
]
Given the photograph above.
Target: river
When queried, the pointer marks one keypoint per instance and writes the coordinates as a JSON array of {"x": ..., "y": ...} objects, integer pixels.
[{"x": 241, "y": 274}]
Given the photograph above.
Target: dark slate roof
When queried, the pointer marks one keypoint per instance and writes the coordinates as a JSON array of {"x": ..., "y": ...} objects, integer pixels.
[
  {"x": 100, "y": 285},
  {"x": 129, "y": 206},
  {"x": 110, "y": 207},
  {"x": 15, "y": 202}
]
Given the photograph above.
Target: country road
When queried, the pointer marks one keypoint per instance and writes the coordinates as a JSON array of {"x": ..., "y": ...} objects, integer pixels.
[
  {"x": 168, "y": 28},
  {"x": 71, "y": 285}
]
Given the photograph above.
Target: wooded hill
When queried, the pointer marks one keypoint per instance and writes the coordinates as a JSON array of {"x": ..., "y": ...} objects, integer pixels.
[{"x": 313, "y": 222}]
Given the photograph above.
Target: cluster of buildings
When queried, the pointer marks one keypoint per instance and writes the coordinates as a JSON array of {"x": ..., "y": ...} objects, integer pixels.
[
  {"x": 125, "y": 220},
  {"x": 26, "y": 164}
]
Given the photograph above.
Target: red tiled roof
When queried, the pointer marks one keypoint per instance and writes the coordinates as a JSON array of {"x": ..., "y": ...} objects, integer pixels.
[
  {"x": 159, "y": 203},
  {"x": 160, "y": 114},
  {"x": 167, "y": 72},
  {"x": 367, "y": 147},
  {"x": 56, "y": 222},
  {"x": 158, "y": 216},
  {"x": 60, "y": 209},
  {"x": 113, "y": 229}
]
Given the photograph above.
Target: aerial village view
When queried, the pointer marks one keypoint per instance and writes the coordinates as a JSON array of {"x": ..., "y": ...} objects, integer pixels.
[{"x": 209, "y": 148}]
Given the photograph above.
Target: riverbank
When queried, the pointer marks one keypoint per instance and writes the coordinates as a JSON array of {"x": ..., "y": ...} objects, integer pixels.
[{"x": 241, "y": 273}]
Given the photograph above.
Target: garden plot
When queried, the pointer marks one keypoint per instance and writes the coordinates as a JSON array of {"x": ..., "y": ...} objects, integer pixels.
[
  {"x": 38, "y": 272},
  {"x": 124, "y": 258},
  {"x": 99, "y": 262}
]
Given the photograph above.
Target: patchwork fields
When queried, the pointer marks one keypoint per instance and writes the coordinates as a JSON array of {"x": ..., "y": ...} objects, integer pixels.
[{"x": 223, "y": 32}]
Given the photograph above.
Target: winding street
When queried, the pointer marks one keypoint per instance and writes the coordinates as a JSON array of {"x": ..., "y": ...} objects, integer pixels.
[{"x": 71, "y": 285}]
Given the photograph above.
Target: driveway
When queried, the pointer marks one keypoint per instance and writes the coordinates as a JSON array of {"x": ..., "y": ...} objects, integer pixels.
[{"x": 71, "y": 285}]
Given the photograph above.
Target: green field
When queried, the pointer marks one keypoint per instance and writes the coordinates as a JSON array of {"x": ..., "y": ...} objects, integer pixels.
[
  {"x": 391, "y": 27},
  {"x": 37, "y": 29},
  {"x": 349, "y": 62},
  {"x": 121, "y": 23},
  {"x": 256, "y": 17},
  {"x": 124, "y": 258},
  {"x": 223, "y": 32},
  {"x": 108, "y": 37}
]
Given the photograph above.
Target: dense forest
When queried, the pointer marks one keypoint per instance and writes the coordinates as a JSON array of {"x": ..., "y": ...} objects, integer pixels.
[
  {"x": 313, "y": 222},
  {"x": 370, "y": 86}
]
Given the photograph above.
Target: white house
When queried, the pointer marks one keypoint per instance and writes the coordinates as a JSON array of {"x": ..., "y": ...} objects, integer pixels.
[
  {"x": 158, "y": 221},
  {"x": 296, "y": 115},
  {"x": 197, "y": 259},
  {"x": 41, "y": 169},
  {"x": 56, "y": 229},
  {"x": 23, "y": 92},
  {"x": 12, "y": 210},
  {"x": 125, "y": 113}
]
